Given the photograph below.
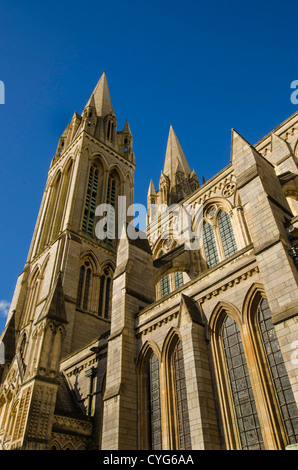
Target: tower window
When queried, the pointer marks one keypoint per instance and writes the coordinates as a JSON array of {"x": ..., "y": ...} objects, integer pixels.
[
  {"x": 112, "y": 192},
  {"x": 105, "y": 294},
  {"x": 90, "y": 202},
  {"x": 110, "y": 130},
  {"x": 84, "y": 286}
]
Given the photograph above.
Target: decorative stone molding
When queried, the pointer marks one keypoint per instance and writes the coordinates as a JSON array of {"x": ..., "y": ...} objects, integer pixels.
[
  {"x": 158, "y": 324},
  {"x": 172, "y": 315},
  {"x": 68, "y": 424},
  {"x": 229, "y": 189},
  {"x": 229, "y": 284}
]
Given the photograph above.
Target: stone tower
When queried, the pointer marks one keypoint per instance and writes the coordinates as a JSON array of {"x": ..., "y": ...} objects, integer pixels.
[{"x": 62, "y": 298}]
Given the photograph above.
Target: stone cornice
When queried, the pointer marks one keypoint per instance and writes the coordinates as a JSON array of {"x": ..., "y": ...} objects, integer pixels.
[{"x": 164, "y": 317}]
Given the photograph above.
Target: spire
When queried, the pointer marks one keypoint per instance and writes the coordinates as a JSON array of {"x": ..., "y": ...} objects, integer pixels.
[
  {"x": 100, "y": 98},
  {"x": 126, "y": 127},
  {"x": 175, "y": 158},
  {"x": 151, "y": 190},
  {"x": 54, "y": 307}
]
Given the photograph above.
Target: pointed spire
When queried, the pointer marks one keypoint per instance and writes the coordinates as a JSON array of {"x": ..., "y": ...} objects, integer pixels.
[
  {"x": 100, "y": 98},
  {"x": 54, "y": 307},
  {"x": 126, "y": 127},
  {"x": 151, "y": 190},
  {"x": 174, "y": 158}
]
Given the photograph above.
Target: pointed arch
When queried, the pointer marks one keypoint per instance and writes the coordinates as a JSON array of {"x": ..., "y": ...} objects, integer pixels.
[
  {"x": 220, "y": 202},
  {"x": 271, "y": 374},
  {"x": 85, "y": 289},
  {"x": 50, "y": 209},
  {"x": 93, "y": 196},
  {"x": 170, "y": 340},
  {"x": 222, "y": 309},
  {"x": 33, "y": 275},
  {"x": 148, "y": 348},
  {"x": 61, "y": 202},
  {"x": 86, "y": 151},
  {"x": 128, "y": 190},
  {"x": 149, "y": 400},
  {"x": 12, "y": 417},
  {"x": 44, "y": 265},
  {"x": 114, "y": 189},
  {"x": 90, "y": 256},
  {"x": 251, "y": 300},
  {"x": 226, "y": 334},
  {"x": 219, "y": 242},
  {"x": 55, "y": 445},
  {"x": 105, "y": 290},
  {"x": 176, "y": 398},
  {"x": 68, "y": 446},
  {"x": 99, "y": 159},
  {"x": 34, "y": 282},
  {"x": 114, "y": 168}
]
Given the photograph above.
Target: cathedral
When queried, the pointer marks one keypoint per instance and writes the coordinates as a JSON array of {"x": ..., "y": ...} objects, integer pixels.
[{"x": 119, "y": 339}]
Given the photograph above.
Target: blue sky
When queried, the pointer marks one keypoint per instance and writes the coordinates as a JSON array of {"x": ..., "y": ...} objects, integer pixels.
[{"x": 203, "y": 66}]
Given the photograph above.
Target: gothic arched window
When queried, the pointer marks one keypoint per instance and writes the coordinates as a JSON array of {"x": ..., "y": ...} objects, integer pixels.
[
  {"x": 47, "y": 223},
  {"x": 60, "y": 205},
  {"x": 150, "y": 424},
  {"x": 90, "y": 201},
  {"x": 154, "y": 406},
  {"x": 110, "y": 130},
  {"x": 240, "y": 387},
  {"x": 279, "y": 373},
  {"x": 84, "y": 286},
  {"x": 32, "y": 296},
  {"x": 105, "y": 291},
  {"x": 218, "y": 236},
  {"x": 113, "y": 191},
  {"x": 183, "y": 439}
]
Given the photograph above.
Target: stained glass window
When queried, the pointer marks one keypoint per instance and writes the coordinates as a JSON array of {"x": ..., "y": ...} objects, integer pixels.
[
  {"x": 227, "y": 235},
  {"x": 178, "y": 279},
  {"x": 184, "y": 438},
  {"x": 241, "y": 389},
  {"x": 155, "y": 431},
  {"x": 165, "y": 285},
  {"x": 210, "y": 246},
  {"x": 279, "y": 373}
]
